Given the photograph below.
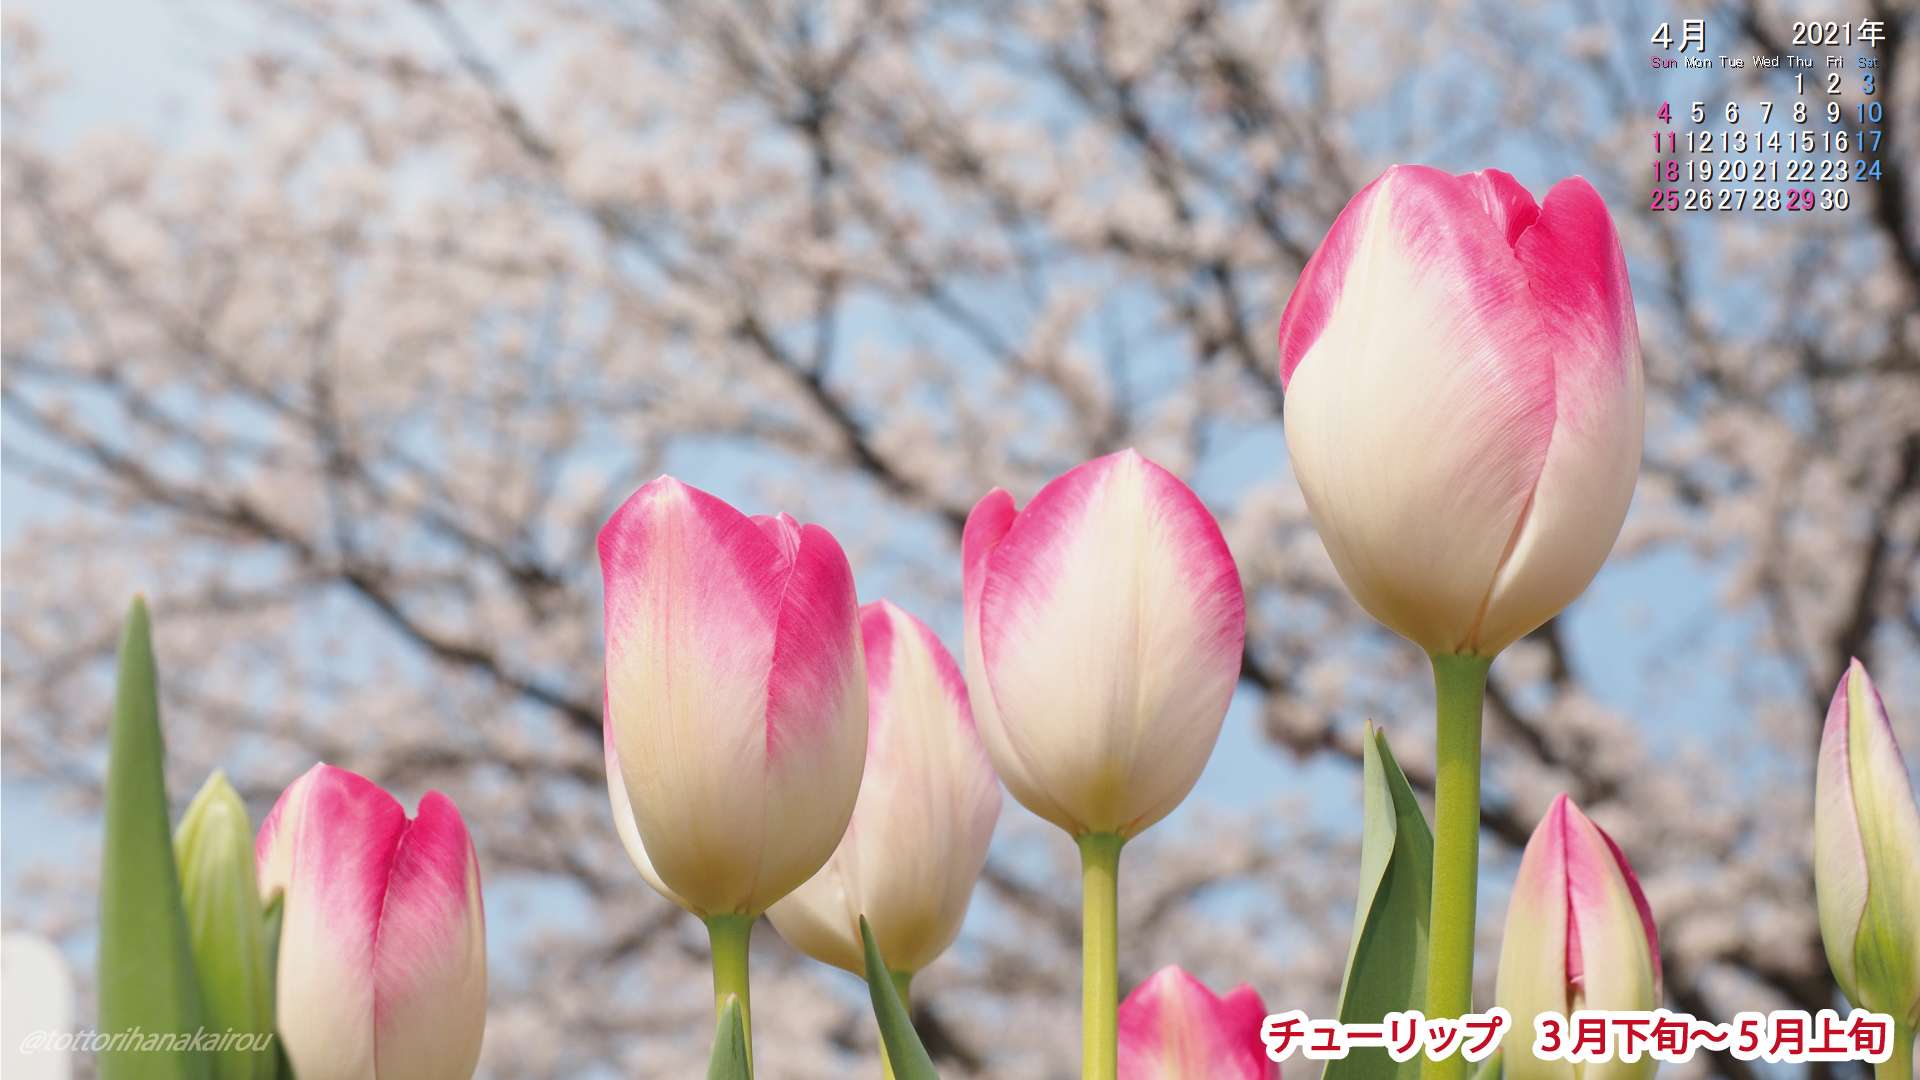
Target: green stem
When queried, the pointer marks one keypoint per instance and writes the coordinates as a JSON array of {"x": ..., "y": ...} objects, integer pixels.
[
  {"x": 902, "y": 985},
  {"x": 727, "y": 936},
  {"x": 1460, "y": 685},
  {"x": 1899, "y": 1066},
  {"x": 1099, "y": 955}
]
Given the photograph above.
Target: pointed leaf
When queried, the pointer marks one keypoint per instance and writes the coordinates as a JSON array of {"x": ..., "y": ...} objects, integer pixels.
[
  {"x": 729, "y": 1060},
  {"x": 1387, "y": 962},
  {"x": 147, "y": 979},
  {"x": 898, "y": 1040}
]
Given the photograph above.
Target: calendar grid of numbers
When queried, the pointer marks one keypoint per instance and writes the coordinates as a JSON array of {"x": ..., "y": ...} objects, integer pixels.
[{"x": 1802, "y": 132}]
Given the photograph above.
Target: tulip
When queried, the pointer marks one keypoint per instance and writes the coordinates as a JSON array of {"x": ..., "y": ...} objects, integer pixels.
[
  {"x": 1104, "y": 628},
  {"x": 920, "y": 828},
  {"x": 1173, "y": 1028},
  {"x": 1463, "y": 401},
  {"x": 1463, "y": 413},
  {"x": 382, "y": 968},
  {"x": 225, "y": 925},
  {"x": 1866, "y": 869},
  {"x": 736, "y": 708},
  {"x": 1580, "y": 935},
  {"x": 36, "y": 984}
]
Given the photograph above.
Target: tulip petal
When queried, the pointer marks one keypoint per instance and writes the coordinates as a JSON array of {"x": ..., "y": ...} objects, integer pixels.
[
  {"x": 430, "y": 964},
  {"x": 1172, "y": 1027},
  {"x": 1534, "y": 950},
  {"x": 986, "y": 527},
  {"x": 692, "y": 595},
  {"x": 1506, "y": 202},
  {"x": 623, "y": 823},
  {"x": 1577, "y": 277},
  {"x": 929, "y": 816},
  {"x": 1111, "y": 624},
  {"x": 1609, "y": 962},
  {"x": 1841, "y": 874},
  {"x": 1640, "y": 904},
  {"x": 273, "y": 844},
  {"x": 816, "y": 741},
  {"x": 1420, "y": 408},
  {"x": 1867, "y": 853},
  {"x": 814, "y": 917},
  {"x": 924, "y": 817},
  {"x": 818, "y": 671},
  {"x": 329, "y": 842},
  {"x": 1322, "y": 281}
]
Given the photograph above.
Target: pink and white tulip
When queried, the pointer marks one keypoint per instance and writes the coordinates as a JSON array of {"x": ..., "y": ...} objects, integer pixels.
[
  {"x": 1173, "y": 1028},
  {"x": 1579, "y": 935},
  {"x": 1464, "y": 401},
  {"x": 926, "y": 811},
  {"x": 1104, "y": 626},
  {"x": 736, "y": 696},
  {"x": 1866, "y": 848},
  {"x": 382, "y": 962}
]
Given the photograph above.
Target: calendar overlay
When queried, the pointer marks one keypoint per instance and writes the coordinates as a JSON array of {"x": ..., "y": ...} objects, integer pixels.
[{"x": 1802, "y": 135}]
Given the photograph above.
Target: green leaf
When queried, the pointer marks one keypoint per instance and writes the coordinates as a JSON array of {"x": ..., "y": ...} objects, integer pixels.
[
  {"x": 214, "y": 848},
  {"x": 271, "y": 919},
  {"x": 729, "y": 1060},
  {"x": 147, "y": 983},
  {"x": 1490, "y": 1068},
  {"x": 897, "y": 1037},
  {"x": 1387, "y": 962}
]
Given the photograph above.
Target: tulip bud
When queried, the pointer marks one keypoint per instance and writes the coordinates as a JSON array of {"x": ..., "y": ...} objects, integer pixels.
[
  {"x": 1173, "y": 1028},
  {"x": 1464, "y": 401},
  {"x": 736, "y": 697},
  {"x": 1866, "y": 849},
  {"x": 1104, "y": 626},
  {"x": 1579, "y": 936},
  {"x": 214, "y": 847},
  {"x": 927, "y": 807},
  {"x": 382, "y": 963}
]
